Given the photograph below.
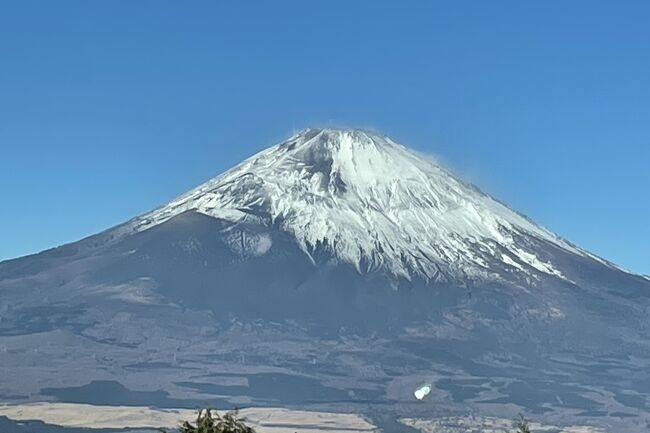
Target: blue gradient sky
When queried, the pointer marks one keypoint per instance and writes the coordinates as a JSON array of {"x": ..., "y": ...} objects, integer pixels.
[{"x": 110, "y": 108}]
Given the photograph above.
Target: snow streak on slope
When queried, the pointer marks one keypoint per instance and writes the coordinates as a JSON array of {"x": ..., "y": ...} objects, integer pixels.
[{"x": 375, "y": 204}]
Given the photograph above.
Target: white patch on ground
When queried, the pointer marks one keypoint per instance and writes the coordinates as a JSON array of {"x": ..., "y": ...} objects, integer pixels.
[
  {"x": 263, "y": 245},
  {"x": 487, "y": 425},
  {"x": 264, "y": 420},
  {"x": 422, "y": 392}
]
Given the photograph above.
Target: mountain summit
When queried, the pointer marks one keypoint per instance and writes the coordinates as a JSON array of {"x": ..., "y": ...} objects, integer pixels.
[{"x": 337, "y": 269}]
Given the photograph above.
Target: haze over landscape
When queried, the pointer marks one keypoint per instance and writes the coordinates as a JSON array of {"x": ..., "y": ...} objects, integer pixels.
[{"x": 340, "y": 218}]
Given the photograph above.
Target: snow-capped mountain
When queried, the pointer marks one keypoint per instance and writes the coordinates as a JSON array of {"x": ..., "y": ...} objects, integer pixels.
[
  {"x": 337, "y": 270},
  {"x": 374, "y": 204}
]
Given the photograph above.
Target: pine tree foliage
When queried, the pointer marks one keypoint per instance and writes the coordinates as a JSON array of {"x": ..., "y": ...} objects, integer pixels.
[
  {"x": 522, "y": 425},
  {"x": 209, "y": 421}
]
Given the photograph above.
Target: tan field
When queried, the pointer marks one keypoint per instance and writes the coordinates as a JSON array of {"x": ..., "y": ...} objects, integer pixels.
[{"x": 264, "y": 420}]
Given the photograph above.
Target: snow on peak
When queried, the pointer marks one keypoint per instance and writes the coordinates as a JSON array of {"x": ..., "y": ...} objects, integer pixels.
[{"x": 375, "y": 204}]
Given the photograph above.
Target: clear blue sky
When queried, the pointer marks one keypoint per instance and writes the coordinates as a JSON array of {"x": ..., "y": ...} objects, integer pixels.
[{"x": 109, "y": 108}]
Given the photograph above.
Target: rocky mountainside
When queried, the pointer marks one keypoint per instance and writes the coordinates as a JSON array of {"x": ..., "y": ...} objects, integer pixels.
[{"x": 335, "y": 270}]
